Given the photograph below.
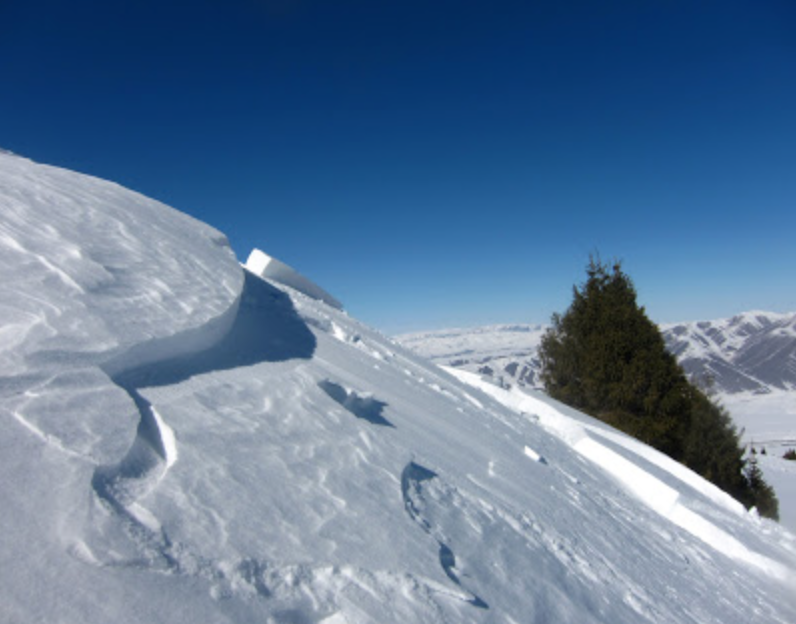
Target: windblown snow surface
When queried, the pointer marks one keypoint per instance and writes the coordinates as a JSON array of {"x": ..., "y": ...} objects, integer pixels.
[
  {"x": 750, "y": 359},
  {"x": 184, "y": 441}
]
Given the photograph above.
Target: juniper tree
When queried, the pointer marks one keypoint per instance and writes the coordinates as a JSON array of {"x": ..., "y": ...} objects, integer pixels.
[
  {"x": 760, "y": 494},
  {"x": 605, "y": 357}
]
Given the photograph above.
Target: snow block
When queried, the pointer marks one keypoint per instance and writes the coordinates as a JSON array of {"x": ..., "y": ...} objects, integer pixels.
[{"x": 263, "y": 265}]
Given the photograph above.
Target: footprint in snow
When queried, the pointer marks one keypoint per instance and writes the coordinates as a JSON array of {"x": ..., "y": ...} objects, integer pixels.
[{"x": 413, "y": 480}]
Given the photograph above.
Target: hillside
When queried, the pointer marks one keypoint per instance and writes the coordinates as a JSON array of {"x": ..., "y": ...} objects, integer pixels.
[
  {"x": 187, "y": 441},
  {"x": 748, "y": 361}
]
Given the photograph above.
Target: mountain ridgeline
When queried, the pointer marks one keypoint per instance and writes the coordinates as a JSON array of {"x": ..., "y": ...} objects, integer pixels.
[{"x": 751, "y": 352}]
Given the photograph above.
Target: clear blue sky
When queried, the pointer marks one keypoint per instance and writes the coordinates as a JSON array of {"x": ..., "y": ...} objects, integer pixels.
[{"x": 444, "y": 162}]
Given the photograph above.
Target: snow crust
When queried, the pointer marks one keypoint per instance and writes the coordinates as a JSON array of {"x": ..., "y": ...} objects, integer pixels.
[{"x": 186, "y": 441}]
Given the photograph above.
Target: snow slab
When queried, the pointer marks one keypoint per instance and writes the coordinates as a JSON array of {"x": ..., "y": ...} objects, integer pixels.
[
  {"x": 268, "y": 267},
  {"x": 185, "y": 441}
]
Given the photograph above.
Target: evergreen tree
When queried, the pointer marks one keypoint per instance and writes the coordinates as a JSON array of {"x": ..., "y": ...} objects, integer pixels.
[
  {"x": 712, "y": 448},
  {"x": 605, "y": 357},
  {"x": 760, "y": 494}
]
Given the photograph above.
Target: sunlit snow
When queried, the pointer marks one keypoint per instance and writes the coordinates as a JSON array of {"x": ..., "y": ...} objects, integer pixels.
[
  {"x": 187, "y": 441},
  {"x": 747, "y": 362}
]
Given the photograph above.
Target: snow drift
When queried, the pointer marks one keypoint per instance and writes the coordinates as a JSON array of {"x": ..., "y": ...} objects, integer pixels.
[{"x": 187, "y": 441}]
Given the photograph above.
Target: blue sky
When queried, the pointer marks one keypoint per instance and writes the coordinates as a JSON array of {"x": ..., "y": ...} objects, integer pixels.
[{"x": 439, "y": 163}]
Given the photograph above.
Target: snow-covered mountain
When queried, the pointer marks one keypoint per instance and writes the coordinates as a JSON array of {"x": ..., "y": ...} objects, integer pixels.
[
  {"x": 504, "y": 352},
  {"x": 186, "y": 440},
  {"x": 751, "y": 352}
]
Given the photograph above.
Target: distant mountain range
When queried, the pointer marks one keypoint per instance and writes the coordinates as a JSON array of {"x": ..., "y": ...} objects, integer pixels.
[{"x": 751, "y": 352}]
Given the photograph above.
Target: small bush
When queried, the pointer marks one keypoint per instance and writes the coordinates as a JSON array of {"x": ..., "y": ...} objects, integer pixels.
[{"x": 790, "y": 454}]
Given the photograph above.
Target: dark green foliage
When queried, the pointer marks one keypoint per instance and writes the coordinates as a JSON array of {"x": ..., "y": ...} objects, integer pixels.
[
  {"x": 759, "y": 493},
  {"x": 606, "y": 358},
  {"x": 790, "y": 454},
  {"x": 712, "y": 448}
]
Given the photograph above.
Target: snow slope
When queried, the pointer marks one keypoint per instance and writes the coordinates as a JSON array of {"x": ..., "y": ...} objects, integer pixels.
[
  {"x": 749, "y": 358},
  {"x": 185, "y": 441}
]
